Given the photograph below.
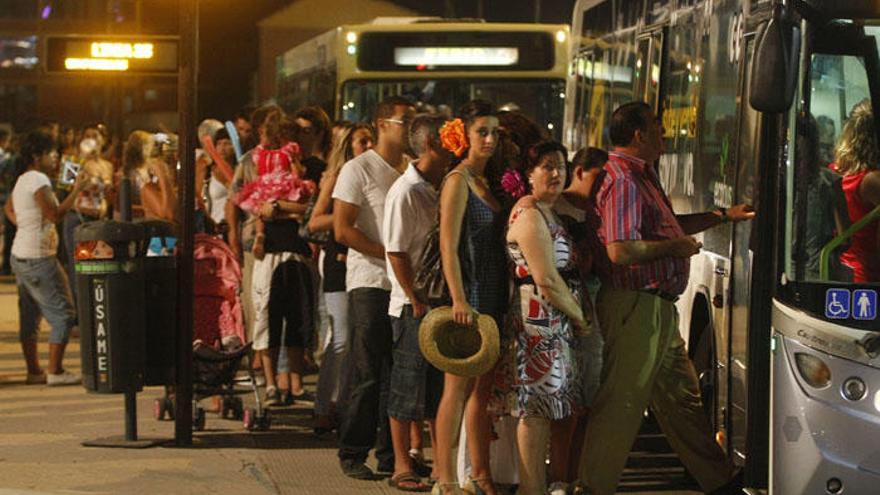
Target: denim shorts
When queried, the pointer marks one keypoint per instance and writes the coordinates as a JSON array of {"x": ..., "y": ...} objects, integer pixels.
[
  {"x": 43, "y": 291},
  {"x": 416, "y": 385}
]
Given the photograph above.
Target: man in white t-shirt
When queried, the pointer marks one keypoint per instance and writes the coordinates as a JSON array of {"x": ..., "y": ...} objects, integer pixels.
[
  {"x": 410, "y": 215},
  {"x": 358, "y": 210}
]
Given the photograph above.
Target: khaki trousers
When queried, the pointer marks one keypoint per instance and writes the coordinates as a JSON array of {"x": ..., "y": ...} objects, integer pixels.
[{"x": 646, "y": 365}]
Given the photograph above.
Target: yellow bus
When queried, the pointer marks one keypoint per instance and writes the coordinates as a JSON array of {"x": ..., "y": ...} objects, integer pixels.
[{"x": 438, "y": 64}]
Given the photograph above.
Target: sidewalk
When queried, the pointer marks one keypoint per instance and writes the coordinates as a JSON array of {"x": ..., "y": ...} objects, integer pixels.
[{"x": 41, "y": 429}]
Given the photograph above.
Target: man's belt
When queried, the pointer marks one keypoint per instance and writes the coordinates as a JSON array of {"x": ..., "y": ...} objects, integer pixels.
[{"x": 662, "y": 294}]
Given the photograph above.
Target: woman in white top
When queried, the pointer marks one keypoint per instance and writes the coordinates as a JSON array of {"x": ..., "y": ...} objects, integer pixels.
[{"x": 43, "y": 288}]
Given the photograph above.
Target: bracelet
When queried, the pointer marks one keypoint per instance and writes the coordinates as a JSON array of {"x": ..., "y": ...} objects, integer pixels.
[{"x": 724, "y": 218}]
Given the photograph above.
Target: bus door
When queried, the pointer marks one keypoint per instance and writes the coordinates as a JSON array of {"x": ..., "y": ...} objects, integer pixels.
[
  {"x": 741, "y": 256},
  {"x": 824, "y": 405}
]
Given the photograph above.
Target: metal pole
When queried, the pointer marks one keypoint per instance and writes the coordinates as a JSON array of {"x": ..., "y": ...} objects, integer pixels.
[
  {"x": 131, "y": 429},
  {"x": 186, "y": 103}
]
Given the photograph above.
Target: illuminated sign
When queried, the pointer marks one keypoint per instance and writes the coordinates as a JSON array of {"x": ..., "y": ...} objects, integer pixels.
[
  {"x": 95, "y": 64},
  {"x": 456, "y": 56},
  {"x": 122, "y": 50},
  {"x": 154, "y": 55}
]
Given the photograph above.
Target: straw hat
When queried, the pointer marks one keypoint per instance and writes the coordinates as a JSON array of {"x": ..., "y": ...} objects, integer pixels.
[{"x": 457, "y": 349}]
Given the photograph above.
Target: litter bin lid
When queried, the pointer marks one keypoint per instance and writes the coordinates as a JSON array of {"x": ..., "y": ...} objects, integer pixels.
[
  {"x": 157, "y": 228},
  {"x": 108, "y": 230}
]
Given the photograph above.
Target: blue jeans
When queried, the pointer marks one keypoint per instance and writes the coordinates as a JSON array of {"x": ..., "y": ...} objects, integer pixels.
[{"x": 43, "y": 291}]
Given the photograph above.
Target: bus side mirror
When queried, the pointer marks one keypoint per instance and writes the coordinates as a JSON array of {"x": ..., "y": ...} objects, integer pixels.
[{"x": 775, "y": 65}]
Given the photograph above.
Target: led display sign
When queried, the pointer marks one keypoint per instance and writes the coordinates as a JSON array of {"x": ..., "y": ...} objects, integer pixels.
[
  {"x": 143, "y": 55},
  {"x": 456, "y": 55}
]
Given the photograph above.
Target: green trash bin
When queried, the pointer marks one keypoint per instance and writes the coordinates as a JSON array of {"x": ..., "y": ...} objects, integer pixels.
[{"x": 110, "y": 305}]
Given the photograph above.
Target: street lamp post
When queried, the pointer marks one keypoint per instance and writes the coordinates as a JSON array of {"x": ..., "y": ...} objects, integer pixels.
[{"x": 187, "y": 83}]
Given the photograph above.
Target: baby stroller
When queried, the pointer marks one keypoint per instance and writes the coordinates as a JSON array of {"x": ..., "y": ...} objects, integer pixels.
[{"x": 218, "y": 338}]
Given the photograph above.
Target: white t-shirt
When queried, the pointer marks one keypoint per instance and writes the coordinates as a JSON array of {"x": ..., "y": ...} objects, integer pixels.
[
  {"x": 218, "y": 193},
  {"x": 410, "y": 214},
  {"x": 364, "y": 182},
  {"x": 36, "y": 236}
]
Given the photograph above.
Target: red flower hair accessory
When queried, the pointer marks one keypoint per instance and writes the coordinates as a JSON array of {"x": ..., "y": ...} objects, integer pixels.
[
  {"x": 513, "y": 184},
  {"x": 453, "y": 137}
]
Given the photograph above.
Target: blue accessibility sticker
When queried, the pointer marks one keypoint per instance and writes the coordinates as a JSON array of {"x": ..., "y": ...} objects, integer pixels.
[
  {"x": 864, "y": 304},
  {"x": 837, "y": 304}
]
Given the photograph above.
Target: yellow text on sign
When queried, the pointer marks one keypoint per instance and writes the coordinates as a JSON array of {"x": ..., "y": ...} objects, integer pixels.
[
  {"x": 105, "y": 64},
  {"x": 122, "y": 50}
]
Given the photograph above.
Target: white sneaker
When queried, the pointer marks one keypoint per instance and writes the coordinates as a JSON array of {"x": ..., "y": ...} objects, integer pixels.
[{"x": 63, "y": 378}]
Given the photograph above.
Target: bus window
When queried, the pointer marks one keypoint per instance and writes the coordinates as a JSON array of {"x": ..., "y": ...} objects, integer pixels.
[
  {"x": 839, "y": 84},
  {"x": 541, "y": 100}
]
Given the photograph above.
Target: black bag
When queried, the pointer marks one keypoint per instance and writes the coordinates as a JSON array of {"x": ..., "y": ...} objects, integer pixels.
[
  {"x": 309, "y": 236},
  {"x": 429, "y": 283}
]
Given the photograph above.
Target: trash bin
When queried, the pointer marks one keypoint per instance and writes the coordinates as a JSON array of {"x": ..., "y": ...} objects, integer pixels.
[
  {"x": 160, "y": 299},
  {"x": 110, "y": 304}
]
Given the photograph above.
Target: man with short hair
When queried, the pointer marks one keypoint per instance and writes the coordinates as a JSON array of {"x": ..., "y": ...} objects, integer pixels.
[
  {"x": 410, "y": 214},
  {"x": 358, "y": 211},
  {"x": 648, "y": 247}
]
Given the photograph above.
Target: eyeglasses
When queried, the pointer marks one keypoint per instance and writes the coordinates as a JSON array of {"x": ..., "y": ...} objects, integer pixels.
[{"x": 398, "y": 121}]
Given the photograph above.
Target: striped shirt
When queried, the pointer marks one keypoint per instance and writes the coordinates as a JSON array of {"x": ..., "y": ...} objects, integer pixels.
[{"x": 633, "y": 207}]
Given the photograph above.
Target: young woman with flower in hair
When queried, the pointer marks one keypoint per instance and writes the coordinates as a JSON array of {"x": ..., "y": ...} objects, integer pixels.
[{"x": 470, "y": 216}]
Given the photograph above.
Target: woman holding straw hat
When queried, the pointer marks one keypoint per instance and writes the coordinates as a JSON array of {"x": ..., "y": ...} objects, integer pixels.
[{"x": 470, "y": 218}]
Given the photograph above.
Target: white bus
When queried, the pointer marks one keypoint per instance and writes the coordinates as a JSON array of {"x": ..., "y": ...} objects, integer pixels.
[
  {"x": 434, "y": 62},
  {"x": 753, "y": 95}
]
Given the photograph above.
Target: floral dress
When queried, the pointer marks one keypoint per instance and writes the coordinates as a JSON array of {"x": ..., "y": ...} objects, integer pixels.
[{"x": 547, "y": 382}]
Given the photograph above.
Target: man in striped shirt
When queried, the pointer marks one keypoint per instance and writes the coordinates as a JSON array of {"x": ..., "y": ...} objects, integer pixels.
[{"x": 646, "y": 363}]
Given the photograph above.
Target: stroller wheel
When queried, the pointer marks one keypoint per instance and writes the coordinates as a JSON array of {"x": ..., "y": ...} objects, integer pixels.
[
  {"x": 158, "y": 409},
  {"x": 168, "y": 406},
  {"x": 264, "y": 421},
  {"x": 249, "y": 418},
  {"x": 237, "y": 410},
  {"x": 198, "y": 419}
]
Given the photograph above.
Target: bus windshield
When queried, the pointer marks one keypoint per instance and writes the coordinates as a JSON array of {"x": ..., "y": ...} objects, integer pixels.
[
  {"x": 542, "y": 100},
  {"x": 833, "y": 221}
]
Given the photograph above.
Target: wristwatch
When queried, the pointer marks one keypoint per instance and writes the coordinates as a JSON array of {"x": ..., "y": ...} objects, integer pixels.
[
  {"x": 276, "y": 205},
  {"x": 724, "y": 218}
]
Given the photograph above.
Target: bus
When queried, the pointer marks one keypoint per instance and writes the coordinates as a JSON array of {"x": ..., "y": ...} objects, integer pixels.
[
  {"x": 753, "y": 95},
  {"x": 437, "y": 63}
]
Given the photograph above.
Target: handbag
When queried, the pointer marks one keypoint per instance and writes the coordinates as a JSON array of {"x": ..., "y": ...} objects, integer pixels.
[
  {"x": 309, "y": 236},
  {"x": 429, "y": 283}
]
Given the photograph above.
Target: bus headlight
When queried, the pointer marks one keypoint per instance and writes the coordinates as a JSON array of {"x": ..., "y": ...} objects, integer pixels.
[
  {"x": 854, "y": 389},
  {"x": 351, "y": 37},
  {"x": 561, "y": 36},
  {"x": 813, "y": 370}
]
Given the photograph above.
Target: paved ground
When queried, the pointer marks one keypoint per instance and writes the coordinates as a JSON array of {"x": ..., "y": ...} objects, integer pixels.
[{"x": 41, "y": 429}]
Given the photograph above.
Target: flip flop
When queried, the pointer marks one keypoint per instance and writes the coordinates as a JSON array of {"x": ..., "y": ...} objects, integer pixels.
[{"x": 408, "y": 482}]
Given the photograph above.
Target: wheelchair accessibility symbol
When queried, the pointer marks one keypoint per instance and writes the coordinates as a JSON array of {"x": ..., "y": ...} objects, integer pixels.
[
  {"x": 837, "y": 304},
  {"x": 864, "y": 304}
]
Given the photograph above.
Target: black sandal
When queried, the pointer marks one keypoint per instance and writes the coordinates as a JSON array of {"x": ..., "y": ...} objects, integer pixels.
[{"x": 415, "y": 483}]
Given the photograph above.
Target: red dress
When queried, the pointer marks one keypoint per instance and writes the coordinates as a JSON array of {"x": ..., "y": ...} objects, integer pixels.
[{"x": 862, "y": 256}]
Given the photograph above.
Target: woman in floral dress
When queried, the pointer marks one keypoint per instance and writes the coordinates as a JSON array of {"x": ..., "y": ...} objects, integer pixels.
[{"x": 546, "y": 313}]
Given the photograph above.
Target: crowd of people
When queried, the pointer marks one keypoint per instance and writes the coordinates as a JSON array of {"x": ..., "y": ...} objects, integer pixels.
[{"x": 576, "y": 264}]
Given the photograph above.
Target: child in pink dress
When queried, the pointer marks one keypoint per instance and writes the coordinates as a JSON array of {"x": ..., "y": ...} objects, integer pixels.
[{"x": 279, "y": 178}]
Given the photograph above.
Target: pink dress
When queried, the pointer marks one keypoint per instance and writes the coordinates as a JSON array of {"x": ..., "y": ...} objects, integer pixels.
[{"x": 276, "y": 179}]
